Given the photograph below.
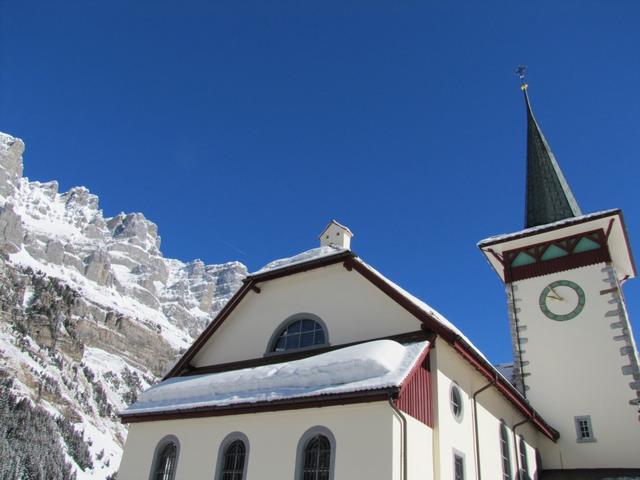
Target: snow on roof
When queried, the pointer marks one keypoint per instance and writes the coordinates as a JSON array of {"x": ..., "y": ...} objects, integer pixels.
[
  {"x": 539, "y": 228},
  {"x": 506, "y": 370},
  {"x": 313, "y": 254},
  {"x": 368, "y": 366}
]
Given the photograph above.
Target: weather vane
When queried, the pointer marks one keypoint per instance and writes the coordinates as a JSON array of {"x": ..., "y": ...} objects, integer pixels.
[{"x": 520, "y": 71}]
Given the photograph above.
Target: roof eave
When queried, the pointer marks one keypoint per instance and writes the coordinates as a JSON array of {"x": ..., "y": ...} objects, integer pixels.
[
  {"x": 317, "y": 401},
  {"x": 300, "y": 267},
  {"x": 542, "y": 229}
]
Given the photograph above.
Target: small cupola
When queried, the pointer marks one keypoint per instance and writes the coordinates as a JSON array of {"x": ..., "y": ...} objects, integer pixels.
[{"x": 336, "y": 235}]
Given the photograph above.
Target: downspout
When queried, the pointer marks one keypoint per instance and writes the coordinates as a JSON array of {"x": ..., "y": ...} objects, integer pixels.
[
  {"x": 515, "y": 444},
  {"x": 475, "y": 426},
  {"x": 403, "y": 422}
]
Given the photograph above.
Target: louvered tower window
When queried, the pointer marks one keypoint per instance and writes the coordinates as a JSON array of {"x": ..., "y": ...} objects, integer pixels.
[
  {"x": 317, "y": 459},
  {"x": 234, "y": 455}
]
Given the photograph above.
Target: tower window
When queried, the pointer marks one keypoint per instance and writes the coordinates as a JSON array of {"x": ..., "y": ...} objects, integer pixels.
[
  {"x": 458, "y": 466},
  {"x": 584, "y": 430}
]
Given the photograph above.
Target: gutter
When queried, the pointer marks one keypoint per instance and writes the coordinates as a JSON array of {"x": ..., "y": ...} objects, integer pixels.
[
  {"x": 505, "y": 388},
  {"x": 403, "y": 422},
  {"x": 475, "y": 426}
]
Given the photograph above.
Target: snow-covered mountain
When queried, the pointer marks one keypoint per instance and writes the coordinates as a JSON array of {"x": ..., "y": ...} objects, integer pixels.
[{"x": 90, "y": 314}]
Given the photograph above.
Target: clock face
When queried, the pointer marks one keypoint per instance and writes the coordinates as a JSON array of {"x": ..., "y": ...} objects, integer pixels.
[{"x": 562, "y": 300}]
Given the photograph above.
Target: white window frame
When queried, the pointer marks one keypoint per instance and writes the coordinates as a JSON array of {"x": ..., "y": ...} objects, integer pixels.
[{"x": 579, "y": 438}]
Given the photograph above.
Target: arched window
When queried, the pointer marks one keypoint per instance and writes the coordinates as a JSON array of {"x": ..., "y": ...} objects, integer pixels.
[
  {"x": 316, "y": 455},
  {"x": 505, "y": 453},
  {"x": 301, "y": 332},
  {"x": 524, "y": 463},
  {"x": 165, "y": 459},
  {"x": 233, "y": 467},
  {"x": 233, "y": 455}
]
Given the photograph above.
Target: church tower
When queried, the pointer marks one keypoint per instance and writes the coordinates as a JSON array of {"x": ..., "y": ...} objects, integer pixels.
[{"x": 575, "y": 358}]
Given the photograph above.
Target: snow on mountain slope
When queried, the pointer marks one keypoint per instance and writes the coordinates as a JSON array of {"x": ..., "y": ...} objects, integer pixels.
[{"x": 91, "y": 312}]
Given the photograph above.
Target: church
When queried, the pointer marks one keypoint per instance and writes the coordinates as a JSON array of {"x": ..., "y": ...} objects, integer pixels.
[{"x": 321, "y": 368}]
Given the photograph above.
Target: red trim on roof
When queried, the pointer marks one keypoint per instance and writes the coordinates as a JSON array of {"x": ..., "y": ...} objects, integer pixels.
[
  {"x": 425, "y": 317},
  {"x": 300, "y": 266},
  {"x": 183, "y": 363},
  {"x": 505, "y": 388},
  {"x": 415, "y": 396}
]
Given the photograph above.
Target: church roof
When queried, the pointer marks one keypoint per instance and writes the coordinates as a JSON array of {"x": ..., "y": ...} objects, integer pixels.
[
  {"x": 374, "y": 365},
  {"x": 430, "y": 319},
  {"x": 548, "y": 197}
]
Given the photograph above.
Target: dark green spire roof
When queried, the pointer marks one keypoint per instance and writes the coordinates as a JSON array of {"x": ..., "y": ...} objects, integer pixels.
[{"x": 549, "y": 197}]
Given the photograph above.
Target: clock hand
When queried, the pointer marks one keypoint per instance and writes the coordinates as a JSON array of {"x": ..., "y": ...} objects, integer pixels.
[{"x": 555, "y": 295}]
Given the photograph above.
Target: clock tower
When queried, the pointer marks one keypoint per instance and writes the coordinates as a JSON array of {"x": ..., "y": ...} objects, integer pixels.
[{"x": 575, "y": 358}]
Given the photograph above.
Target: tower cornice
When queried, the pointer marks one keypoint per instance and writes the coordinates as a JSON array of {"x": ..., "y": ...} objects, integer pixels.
[{"x": 605, "y": 232}]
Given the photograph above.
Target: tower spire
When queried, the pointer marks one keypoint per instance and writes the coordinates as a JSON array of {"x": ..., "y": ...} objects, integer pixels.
[{"x": 549, "y": 197}]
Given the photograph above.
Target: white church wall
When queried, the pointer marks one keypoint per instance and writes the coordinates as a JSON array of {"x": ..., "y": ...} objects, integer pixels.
[
  {"x": 457, "y": 434},
  {"x": 366, "y": 435},
  {"x": 567, "y": 359},
  {"x": 419, "y": 449},
  {"x": 350, "y": 306}
]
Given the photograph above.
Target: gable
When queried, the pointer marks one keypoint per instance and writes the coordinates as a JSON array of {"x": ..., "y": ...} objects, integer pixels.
[{"x": 351, "y": 308}]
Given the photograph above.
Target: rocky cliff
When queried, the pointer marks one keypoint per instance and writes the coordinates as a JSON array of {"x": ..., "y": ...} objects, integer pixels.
[{"x": 90, "y": 310}]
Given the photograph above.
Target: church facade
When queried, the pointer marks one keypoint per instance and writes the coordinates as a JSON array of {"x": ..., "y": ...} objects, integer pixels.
[{"x": 321, "y": 368}]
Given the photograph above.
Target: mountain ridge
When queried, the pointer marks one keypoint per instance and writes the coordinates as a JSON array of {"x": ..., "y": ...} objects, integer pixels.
[{"x": 93, "y": 299}]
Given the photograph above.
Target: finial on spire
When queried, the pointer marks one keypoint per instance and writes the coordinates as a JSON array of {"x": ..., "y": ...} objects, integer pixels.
[{"x": 520, "y": 71}]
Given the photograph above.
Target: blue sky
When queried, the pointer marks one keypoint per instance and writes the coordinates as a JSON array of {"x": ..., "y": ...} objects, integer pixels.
[{"x": 242, "y": 128}]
